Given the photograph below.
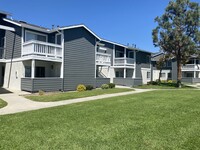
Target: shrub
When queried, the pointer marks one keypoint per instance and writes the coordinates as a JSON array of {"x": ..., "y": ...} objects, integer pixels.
[
  {"x": 104, "y": 86},
  {"x": 41, "y": 92},
  {"x": 153, "y": 83},
  {"x": 81, "y": 88},
  {"x": 89, "y": 87},
  {"x": 169, "y": 81},
  {"x": 111, "y": 85}
]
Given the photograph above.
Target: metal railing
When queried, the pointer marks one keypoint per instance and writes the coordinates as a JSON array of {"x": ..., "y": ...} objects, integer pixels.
[{"x": 103, "y": 59}]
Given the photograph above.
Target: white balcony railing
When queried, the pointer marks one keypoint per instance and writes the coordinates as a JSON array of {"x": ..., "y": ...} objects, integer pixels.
[
  {"x": 190, "y": 67},
  {"x": 103, "y": 59},
  {"x": 124, "y": 61},
  {"x": 42, "y": 49}
]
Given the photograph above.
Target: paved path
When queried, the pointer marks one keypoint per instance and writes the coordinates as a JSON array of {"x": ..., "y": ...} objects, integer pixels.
[{"x": 18, "y": 103}]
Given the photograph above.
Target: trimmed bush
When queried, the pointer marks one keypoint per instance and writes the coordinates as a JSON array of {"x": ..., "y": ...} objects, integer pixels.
[
  {"x": 111, "y": 85},
  {"x": 153, "y": 83},
  {"x": 41, "y": 92},
  {"x": 104, "y": 86},
  {"x": 81, "y": 88},
  {"x": 89, "y": 87}
]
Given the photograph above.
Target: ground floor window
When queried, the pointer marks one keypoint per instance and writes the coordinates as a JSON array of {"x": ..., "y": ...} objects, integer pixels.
[
  {"x": 162, "y": 75},
  {"x": 119, "y": 74},
  {"x": 148, "y": 75},
  {"x": 27, "y": 71},
  {"x": 40, "y": 72},
  {"x": 169, "y": 75}
]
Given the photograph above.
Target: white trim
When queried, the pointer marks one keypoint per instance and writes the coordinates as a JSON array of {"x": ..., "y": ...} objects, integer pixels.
[
  {"x": 78, "y": 26},
  {"x": 114, "y": 43},
  {"x": 62, "y": 64},
  {"x": 22, "y": 40},
  {"x": 37, "y": 33},
  {"x": 7, "y": 28},
  {"x": 57, "y": 39},
  {"x": 10, "y": 21}
]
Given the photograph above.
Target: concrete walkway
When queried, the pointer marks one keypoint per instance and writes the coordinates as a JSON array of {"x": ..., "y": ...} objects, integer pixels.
[{"x": 18, "y": 103}]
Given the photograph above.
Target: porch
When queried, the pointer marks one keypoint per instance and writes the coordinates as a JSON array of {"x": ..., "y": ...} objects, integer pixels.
[{"x": 41, "y": 75}]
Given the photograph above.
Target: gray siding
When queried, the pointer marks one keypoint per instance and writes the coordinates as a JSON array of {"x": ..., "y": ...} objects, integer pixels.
[
  {"x": 79, "y": 58},
  {"x": 174, "y": 70},
  {"x": 45, "y": 84},
  {"x": 13, "y": 44},
  {"x": 127, "y": 81},
  {"x": 100, "y": 81},
  {"x": 191, "y": 80}
]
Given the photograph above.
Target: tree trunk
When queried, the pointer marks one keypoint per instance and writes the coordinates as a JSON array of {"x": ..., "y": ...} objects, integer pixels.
[
  {"x": 179, "y": 74},
  {"x": 160, "y": 75}
]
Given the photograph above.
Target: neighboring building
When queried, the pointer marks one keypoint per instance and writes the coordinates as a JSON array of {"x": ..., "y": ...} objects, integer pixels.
[
  {"x": 190, "y": 71},
  {"x": 34, "y": 58}
]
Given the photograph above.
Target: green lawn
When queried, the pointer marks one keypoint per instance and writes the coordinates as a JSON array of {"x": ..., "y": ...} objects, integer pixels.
[
  {"x": 2, "y": 103},
  {"x": 154, "y": 120},
  {"x": 72, "y": 95}
]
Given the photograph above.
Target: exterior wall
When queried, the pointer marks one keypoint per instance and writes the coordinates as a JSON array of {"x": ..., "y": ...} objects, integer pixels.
[
  {"x": 45, "y": 84},
  {"x": 156, "y": 74},
  {"x": 13, "y": 76},
  {"x": 174, "y": 70},
  {"x": 79, "y": 58},
  {"x": 144, "y": 75},
  {"x": 2, "y": 35},
  {"x": 127, "y": 81},
  {"x": 100, "y": 81},
  {"x": 191, "y": 80},
  {"x": 13, "y": 43}
]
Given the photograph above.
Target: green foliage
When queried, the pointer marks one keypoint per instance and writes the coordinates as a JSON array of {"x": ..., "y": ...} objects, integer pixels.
[
  {"x": 41, "y": 93},
  {"x": 111, "y": 85},
  {"x": 81, "y": 88},
  {"x": 104, "y": 86},
  {"x": 89, "y": 87},
  {"x": 177, "y": 33},
  {"x": 153, "y": 83}
]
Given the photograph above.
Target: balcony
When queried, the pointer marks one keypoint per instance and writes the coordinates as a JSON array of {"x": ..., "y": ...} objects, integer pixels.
[
  {"x": 121, "y": 61},
  {"x": 191, "y": 67},
  {"x": 103, "y": 59},
  {"x": 42, "y": 50}
]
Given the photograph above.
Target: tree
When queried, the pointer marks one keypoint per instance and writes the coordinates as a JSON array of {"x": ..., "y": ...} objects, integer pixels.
[{"x": 177, "y": 33}]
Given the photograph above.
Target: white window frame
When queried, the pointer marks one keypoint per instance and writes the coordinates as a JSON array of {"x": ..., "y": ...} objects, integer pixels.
[
  {"x": 148, "y": 72},
  {"x": 33, "y": 32},
  {"x": 57, "y": 39}
]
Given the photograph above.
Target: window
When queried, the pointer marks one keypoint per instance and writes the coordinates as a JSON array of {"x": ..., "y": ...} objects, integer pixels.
[
  {"x": 119, "y": 54},
  {"x": 169, "y": 75},
  {"x": 162, "y": 75},
  {"x": 119, "y": 74},
  {"x": 27, "y": 71},
  {"x": 58, "y": 39},
  {"x": 35, "y": 36},
  {"x": 169, "y": 64},
  {"x": 40, "y": 72},
  {"x": 148, "y": 75}
]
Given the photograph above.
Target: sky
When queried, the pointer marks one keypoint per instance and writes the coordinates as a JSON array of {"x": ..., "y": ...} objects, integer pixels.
[{"x": 120, "y": 21}]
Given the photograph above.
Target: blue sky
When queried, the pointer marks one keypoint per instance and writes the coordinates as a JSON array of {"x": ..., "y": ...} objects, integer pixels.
[{"x": 121, "y": 21}]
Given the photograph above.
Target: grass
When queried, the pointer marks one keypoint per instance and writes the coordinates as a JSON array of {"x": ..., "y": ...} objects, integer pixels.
[
  {"x": 72, "y": 95},
  {"x": 163, "y": 119},
  {"x": 164, "y": 86},
  {"x": 2, "y": 103}
]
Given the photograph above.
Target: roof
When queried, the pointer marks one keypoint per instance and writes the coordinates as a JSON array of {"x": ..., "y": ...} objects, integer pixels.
[{"x": 5, "y": 13}]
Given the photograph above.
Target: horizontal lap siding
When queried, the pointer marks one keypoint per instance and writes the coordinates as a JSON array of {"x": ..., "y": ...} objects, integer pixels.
[
  {"x": 54, "y": 84},
  {"x": 34, "y": 85},
  {"x": 79, "y": 58},
  {"x": 100, "y": 81},
  {"x": 127, "y": 82},
  {"x": 13, "y": 44},
  {"x": 26, "y": 84}
]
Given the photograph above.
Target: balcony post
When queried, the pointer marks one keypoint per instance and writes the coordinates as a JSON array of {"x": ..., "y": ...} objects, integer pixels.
[
  {"x": 125, "y": 61},
  {"x": 33, "y": 68},
  {"x": 195, "y": 74},
  {"x": 134, "y": 73},
  {"x": 124, "y": 72},
  {"x": 113, "y": 55}
]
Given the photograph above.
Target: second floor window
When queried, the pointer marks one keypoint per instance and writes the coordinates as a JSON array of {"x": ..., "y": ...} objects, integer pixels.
[{"x": 35, "y": 36}]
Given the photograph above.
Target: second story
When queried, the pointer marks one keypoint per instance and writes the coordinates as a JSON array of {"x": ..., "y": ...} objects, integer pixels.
[{"x": 22, "y": 40}]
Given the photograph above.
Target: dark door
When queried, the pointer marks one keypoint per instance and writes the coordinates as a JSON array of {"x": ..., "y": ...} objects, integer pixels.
[{"x": 40, "y": 72}]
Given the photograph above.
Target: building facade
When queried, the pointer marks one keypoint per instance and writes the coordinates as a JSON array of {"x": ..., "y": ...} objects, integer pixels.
[{"x": 34, "y": 58}]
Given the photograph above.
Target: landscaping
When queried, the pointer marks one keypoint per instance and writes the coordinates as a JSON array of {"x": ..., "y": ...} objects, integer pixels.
[
  {"x": 163, "y": 85},
  {"x": 163, "y": 119},
  {"x": 51, "y": 97},
  {"x": 2, "y": 103}
]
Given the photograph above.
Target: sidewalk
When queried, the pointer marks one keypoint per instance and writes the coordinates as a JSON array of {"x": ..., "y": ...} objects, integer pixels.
[{"x": 18, "y": 103}]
